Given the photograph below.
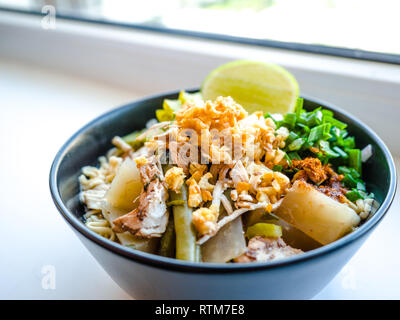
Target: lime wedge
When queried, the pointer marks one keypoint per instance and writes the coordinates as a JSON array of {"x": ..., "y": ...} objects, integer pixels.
[{"x": 257, "y": 86}]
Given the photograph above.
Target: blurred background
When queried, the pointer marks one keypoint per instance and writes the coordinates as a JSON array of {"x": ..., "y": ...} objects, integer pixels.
[
  {"x": 352, "y": 24},
  {"x": 63, "y": 63}
]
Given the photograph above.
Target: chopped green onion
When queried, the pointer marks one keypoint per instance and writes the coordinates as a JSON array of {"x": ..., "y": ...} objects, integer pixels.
[
  {"x": 353, "y": 195},
  {"x": 349, "y": 142},
  {"x": 307, "y": 145},
  {"x": 294, "y": 155},
  {"x": 299, "y": 106},
  {"x": 355, "y": 159},
  {"x": 349, "y": 181},
  {"x": 336, "y": 132},
  {"x": 290, "y": 119},
  {"x": 326, "y": 112},
  {"x": 275, "y": 117},
  {"x": 292, "y": 136},
  {"x": 343, "y": 169},
  {"x": 288, "y": 159},
  {"x": 277, "y": 167},
  {"x": 334, "y": 122},
  {"x": 325, "y": 148},
  {"x": 361, "y": 185},
  {"x": 313, "y": 118},
  {"x": 353, "y": 172},
  {"x": 303, "y": 118},
  {"x": 296, "y": 144},
  {"x": 319, "y": 132},
  {"x": 340, "y": 152},
  {"x": 304, "y": 127}
]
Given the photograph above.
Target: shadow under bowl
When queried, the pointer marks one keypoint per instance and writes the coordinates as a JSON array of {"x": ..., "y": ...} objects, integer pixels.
[{"x": 148, "y": 276}]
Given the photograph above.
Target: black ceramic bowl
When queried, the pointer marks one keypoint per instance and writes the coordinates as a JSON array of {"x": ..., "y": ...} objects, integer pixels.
[{"x": 150, "y": 276}]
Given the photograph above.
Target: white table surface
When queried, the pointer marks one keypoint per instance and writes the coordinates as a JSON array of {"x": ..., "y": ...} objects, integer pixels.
[{"x": 39, "y": 110}]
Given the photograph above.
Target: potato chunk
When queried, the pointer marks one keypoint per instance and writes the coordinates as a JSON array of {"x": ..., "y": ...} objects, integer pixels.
[
  {"x": 227, "y": 244},
  {"x": 320, "y": 217},
  {"x": 126, "y": 186}
]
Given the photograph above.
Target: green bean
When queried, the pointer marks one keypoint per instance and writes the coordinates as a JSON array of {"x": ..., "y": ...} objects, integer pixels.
[
  {"x": 186, "y": 247},
  {"x": 198, "y": 253},
  {"x": 167, "y": 245}
]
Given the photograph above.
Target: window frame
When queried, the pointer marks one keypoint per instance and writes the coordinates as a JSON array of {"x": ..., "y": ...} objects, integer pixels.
[{"x": 357, "y": 54}]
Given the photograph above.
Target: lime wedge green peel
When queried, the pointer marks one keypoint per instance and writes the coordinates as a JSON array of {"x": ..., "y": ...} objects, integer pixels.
[{"x": 257, "y": 86}]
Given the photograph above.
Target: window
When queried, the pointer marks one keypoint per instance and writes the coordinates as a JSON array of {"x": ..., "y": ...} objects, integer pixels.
[{"x": 357, "y": 28}]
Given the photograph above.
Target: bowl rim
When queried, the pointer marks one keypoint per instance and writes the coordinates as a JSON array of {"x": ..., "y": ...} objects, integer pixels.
[{"x": 206, "y": 267}]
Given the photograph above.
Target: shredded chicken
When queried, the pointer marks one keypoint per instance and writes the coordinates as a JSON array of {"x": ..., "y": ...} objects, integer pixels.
[
  {"x": 266, "y": 249},
  {"x": 94, "y": 197},
  {"x": 217, "y": 194},
  {"x": 150, "y": 218},
  {"x": 226, "y": 204},
  {"x": 149, "y": 169},
  {"x": 239, "y": 173}
]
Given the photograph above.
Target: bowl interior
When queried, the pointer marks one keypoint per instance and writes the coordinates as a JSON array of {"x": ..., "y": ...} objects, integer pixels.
[{"x": 94, "y": 140}]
